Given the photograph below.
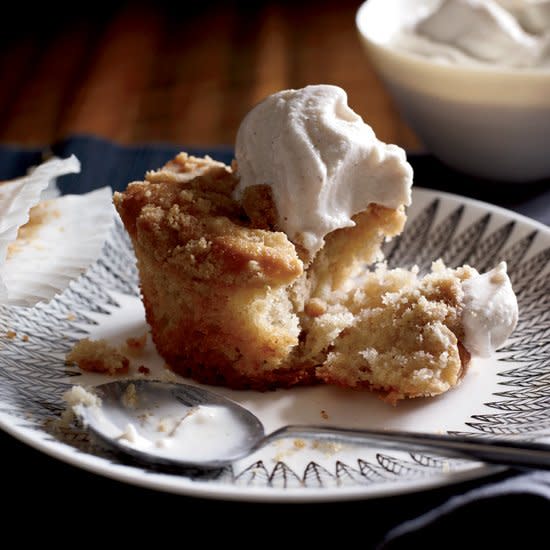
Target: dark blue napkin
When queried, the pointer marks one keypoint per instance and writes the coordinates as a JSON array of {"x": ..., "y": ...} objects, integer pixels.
[
  {"x": 106, "y": 163},
  {"x": 456, "y": 515}
]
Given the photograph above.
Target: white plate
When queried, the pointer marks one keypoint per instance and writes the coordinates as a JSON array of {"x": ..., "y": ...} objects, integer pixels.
[{"x": 508, "y": 394}]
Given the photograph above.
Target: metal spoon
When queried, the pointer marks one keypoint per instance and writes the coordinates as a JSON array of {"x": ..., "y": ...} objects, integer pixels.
[{"x": 188, "y": 426}]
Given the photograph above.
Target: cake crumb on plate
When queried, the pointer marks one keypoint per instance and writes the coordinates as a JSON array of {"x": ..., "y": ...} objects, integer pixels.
[{"x": 97, "y": 356}]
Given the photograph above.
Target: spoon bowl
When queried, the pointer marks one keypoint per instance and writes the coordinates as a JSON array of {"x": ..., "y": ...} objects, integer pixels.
[
  {"x": 171, "y": 424},
  {"x": 188, "y": 426}
]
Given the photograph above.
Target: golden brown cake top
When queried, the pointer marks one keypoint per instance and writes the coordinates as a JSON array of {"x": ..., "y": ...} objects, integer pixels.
[{"x": 184, "y": 214}]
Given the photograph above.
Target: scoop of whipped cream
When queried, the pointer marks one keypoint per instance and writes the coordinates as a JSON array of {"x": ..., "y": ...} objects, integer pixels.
[
  {"x": 500, "y": 32},
  {"x": 490, "y": 311},
  {"x": 322, "y": 162}
]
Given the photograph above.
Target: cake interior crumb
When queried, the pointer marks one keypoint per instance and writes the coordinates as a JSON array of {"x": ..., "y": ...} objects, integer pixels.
[
  {"x": 137, "y": 343},
  {"x": 129, "y": 397},
  {"x": 76, "y": 395},
  {"x": 97, "y": 356}
]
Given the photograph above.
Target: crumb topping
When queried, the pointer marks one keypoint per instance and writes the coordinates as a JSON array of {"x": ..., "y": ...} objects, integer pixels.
[
  {"x": 185, "y": 216},
  {"x": 97, "y": 356}
]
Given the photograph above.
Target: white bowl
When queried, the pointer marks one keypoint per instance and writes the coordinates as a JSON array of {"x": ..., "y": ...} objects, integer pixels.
[{"x": 491, "y": 122}]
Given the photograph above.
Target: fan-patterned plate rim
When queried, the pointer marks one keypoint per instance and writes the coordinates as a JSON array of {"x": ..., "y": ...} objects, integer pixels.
[{"x": 456, "y": 228}]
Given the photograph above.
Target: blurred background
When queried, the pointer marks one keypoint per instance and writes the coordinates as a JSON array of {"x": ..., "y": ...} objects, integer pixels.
[{"x": 184, "y": 74}]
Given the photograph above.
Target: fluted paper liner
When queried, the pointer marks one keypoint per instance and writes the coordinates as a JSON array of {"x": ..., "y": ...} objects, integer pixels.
[{"x": 65, "y": 235}]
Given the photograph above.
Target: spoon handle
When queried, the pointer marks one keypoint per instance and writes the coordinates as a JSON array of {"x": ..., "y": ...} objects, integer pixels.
[{"x": 493, "y": 451}]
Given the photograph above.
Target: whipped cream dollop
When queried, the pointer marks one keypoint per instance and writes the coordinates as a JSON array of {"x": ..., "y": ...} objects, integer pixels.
[
  {"x": 509, "y": 33},
  {"x": 490, "y": 311},
  {"x": 321, "y": 161}
]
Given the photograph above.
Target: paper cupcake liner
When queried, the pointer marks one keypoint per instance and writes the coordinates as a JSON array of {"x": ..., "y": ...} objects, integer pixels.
[
  {"x": 64, "y": 237},
  {"x": 18, "y": 196},
  {"x": 51, "y": 191}
]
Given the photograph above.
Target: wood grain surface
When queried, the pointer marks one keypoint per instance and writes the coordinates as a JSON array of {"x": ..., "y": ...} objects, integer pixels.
[{"x": 151, "y": 72}]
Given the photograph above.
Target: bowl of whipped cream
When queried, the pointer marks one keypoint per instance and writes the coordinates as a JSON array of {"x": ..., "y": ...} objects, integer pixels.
[{"x": 471, "y": 78}]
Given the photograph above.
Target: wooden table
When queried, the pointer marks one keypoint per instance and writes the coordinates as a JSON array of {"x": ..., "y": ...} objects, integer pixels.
[{"x": 151, "y": 72}]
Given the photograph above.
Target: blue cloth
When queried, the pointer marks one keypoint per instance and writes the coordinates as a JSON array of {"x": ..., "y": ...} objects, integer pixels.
[
  {"x": 105, "y": 163},
  {"x": 453, "y": 516}
]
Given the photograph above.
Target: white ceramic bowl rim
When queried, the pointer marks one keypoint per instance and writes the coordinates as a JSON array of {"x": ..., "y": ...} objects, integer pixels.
[{"x": 375, "y": 6}]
